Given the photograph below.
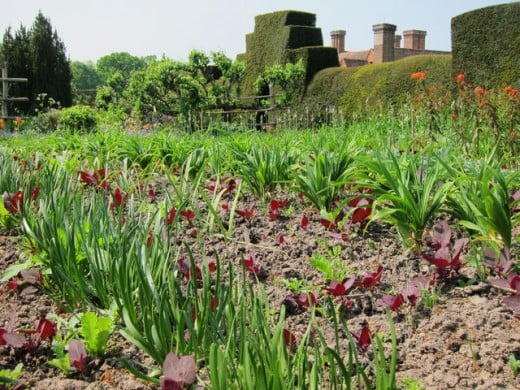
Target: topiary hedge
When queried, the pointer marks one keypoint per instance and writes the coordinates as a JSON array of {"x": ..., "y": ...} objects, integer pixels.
[
  {"x": 360, "y": 90},
  {"x": 486, "y": 45},
  {"x": 281, "y": 37}
]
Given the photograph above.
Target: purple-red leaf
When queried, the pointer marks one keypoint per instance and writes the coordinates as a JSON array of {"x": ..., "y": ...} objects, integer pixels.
[
  {"x": 349, "y": 283},
  {"x": 500, "y": 263},
  {"x": 364, "y": 338},
  {"x": 178, "y": 371},
  {"x": 276, "y": 206},
  {"x": 15, "y": 340},
  {"x": 306, "y": 299},
  {"x": 412, "y": 290},
  {"x": 78, "y": 355},
  {"x": 94, "y": 178},
  {"x": 393, "y": 302},
  {"x": 511, "y": 283},
  {"x": 13, "y": 202},
  {"x": 370, "y": 279},
  {"x": 336, "y": 288},
  {"x": 290, "y": 339},
  {"x": 252, "y": 266},
  {"x": 441, "y": 234},
  {"x": 247, "y": 214},
  {"x": 46, "y": 329},
  {"x": 304, "y": 222},
  {"x": 513, "y": 303},
  {"x": 32, "y": 276},
  {"x": 188, "y": 214}
]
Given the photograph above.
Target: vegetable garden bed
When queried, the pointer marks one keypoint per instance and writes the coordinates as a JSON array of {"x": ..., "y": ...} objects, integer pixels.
[{"x": 294, "y": 259}]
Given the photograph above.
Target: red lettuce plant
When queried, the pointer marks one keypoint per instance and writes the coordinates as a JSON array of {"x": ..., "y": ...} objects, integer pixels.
[
  {"x": 370, "y": 279},
  {"x": 78, "y": 357},
  {"x": 500, "y": 263},
  {"x": 300, "y": 300},
  {"x": 276, "y": 207},
  {"x": 253, "y": 267},
  {"x": 118, "y": 199},
  {"x": 363, "y": 338},
  {"x": 247, "y": 214},
  {"x": 178, "y": 372},
  {"x": 511, "y": 284},
  {"x": 14, "y": 202},
  {"x": 44, "y": 329},
  {"x": 290, "y": 339},
  {"x": 410, "y": 293},
  {"x": 304, "y": 222},
  {"x": 361, "y": 206},
  {"x": 94, "y": 178},
  {"x": 446, "y": 258},
  {"x": 28, "y": 280}
]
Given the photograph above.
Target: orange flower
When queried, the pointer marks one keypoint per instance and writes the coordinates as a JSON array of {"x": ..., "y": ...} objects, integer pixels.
[
  {"x": 480, "y": 91},
  {"x": 460, "y": 79},
  {"x": 512, "y": 134},
  {"x": 454, "y": 116},
  {"x": 2, "y": 123},
  {"x": 419, "y": 75},
  {"x": 512, "y": 92},
  {"x": 17, "y": 122}
]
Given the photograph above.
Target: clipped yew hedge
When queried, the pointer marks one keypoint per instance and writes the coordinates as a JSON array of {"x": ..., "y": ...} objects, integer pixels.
[
  {"x": 281, "y": 37},
  {"x": 362, "y": 90},
  {"x": 486, "y": 45}
]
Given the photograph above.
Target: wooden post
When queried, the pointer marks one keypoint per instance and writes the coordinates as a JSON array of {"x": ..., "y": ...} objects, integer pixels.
[
  {"x": 5, "y": 88},
  {"x": 272, "y": 104},
  {"x": 5, "y": 91}
]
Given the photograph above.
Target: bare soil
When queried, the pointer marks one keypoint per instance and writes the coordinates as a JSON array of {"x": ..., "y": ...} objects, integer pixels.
[{"x": 463, "y": 342}]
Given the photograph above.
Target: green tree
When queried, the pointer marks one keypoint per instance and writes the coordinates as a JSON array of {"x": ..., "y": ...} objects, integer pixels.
[
  {"x": 227, "y": 88},
  {"x": 84, "y": 75},
  {"x": 85, "y": 80},
  {"x": 115, "y": 71},
  {"x": 15, "y": 55},
  {"x": 183, "y": 89},
  {"x": 40, "y": 56},
  {"x": 122, "y": 62},
  {"x": 282, "y": 78},
  {"x": 167, "y": 87},
  {"x": 50, "y": 71}
]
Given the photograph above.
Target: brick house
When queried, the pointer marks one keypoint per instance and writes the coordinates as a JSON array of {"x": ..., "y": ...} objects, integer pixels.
[{"x": 387, "y": 46}]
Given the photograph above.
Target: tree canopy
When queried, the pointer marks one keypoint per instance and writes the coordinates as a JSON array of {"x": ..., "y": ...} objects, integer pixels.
[{"x": 39, "y": 55}]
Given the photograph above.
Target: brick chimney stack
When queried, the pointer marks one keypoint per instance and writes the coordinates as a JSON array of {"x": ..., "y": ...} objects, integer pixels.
[
  {"x": 337, "y": 38},
  {"x": 414, "y": 39},
  {"x": 397, "y": 41},
  {"x": 384, "y": 42}
]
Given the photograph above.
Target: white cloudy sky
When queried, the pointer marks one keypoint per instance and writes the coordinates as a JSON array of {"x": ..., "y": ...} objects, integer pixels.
[{"x": 91, "y": 29}]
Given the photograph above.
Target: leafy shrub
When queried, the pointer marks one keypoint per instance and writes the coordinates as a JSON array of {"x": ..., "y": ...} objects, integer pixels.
[
  {"x": 47, "y": 121},
  {"x": 78, "y": 118}
]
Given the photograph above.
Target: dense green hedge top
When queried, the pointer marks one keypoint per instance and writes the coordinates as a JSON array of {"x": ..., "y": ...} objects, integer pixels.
[
  {"x": 286, "y": 18},
  {"x": 360, "y": 89},
  {"x": 275, "y": 37},
  {"x": 486, "y": 45}
]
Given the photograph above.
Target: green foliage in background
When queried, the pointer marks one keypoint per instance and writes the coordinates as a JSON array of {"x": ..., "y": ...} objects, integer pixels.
[
  {"x": 359, "y": 91},
  {"x": 486, "y": 45},
  {"x": 78, "y": 118}
]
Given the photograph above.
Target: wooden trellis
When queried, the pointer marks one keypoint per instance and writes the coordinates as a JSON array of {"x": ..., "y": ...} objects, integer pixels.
[
  {"x": 5, "y": 92},
  {"x": 264, "y": 117}
]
